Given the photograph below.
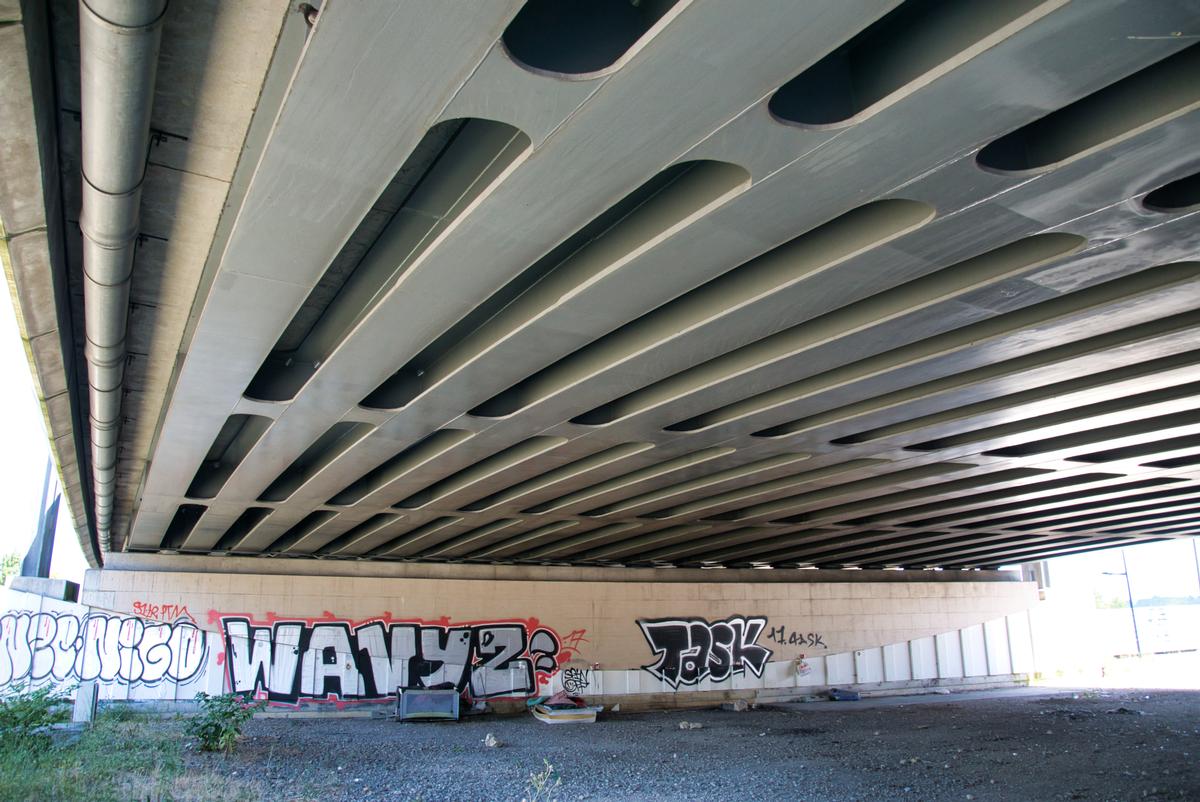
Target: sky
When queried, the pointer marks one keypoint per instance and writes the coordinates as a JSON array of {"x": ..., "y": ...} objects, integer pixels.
[
  {"x": 23, "y": 469},
  {"x": 1155, "y": 569}
]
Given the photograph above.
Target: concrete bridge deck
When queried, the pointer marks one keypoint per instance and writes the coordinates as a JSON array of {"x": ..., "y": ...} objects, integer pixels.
[{"x": 869, "y": 284}]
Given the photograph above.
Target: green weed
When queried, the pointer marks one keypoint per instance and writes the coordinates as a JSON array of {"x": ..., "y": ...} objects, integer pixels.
[
  {"x": 26, "y": 716},
  {"x": 219, "y": 723},
  {"x": 118, "y": 759}
]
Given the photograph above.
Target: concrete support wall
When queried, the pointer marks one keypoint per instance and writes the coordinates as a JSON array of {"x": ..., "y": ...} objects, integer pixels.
[{"x": 350, "y": 640}]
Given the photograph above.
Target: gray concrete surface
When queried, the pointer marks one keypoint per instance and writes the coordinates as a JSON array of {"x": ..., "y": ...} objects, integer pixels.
[
  {"x": 1078, "y": 745},
  {"x": 863, "y": 328}
]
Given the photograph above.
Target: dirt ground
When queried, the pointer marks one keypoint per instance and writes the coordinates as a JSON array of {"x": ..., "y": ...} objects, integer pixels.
[{"x": 1027, "y": 745}]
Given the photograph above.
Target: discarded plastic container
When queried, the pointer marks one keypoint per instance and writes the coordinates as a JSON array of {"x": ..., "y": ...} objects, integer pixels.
[
  {"x": 426, "y": 705},
  {"x": 564, "y": 715}
]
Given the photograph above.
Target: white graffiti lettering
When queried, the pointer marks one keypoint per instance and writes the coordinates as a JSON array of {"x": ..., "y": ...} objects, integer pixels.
[
  {"x": 337, "y": 660},
  {"x": 36, "y": 647}
]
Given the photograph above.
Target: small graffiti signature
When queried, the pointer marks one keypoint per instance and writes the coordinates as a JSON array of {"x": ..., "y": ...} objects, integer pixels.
[
  {"x": 784, "y": 637},
  {"x": 162, "y": 612},
  {"x": 576, "y": 680}
]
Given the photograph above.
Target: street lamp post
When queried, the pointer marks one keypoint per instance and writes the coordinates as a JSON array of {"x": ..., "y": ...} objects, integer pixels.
[
  {"x": 1196, "y": 557},
  {"x": 1129, "y": 594}
]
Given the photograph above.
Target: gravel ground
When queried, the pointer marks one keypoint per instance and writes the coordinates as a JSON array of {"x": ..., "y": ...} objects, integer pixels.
[{"x": 1102, "y": 745}]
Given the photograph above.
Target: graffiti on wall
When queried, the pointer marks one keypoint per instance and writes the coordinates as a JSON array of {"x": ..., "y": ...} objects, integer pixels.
[
  {"x": 330, "y": 659},
  {"x": 689, "y": 650},
  {"x": 790, "y": 637},
  {"x": 38, "y": 647},
  {"x": 576, "y": 681},
  {"x": 162, "y": 612}
]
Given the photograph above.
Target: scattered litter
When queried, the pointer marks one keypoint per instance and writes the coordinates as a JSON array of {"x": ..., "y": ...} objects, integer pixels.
[
  {"x": 477, "y": 708},
  {"x": 922, "y": 726},
  {"x": 690, "y": 725},
  {"x": 1124, "y": 711},
  {"x": 567, "y": 715},
  {"x": 492, "y": 741},
  {"x": 841, "y": 695},
  {"x": 424, "y": 704},
  {"x": 562, "y": 699},
  {"x": 737, "y": 706},
  {"x": 1070, "y": 715},
  {"x": 942, "y": 691},
  {"x": 616, "y": 708},
  {"x": 562, "y": 708}
]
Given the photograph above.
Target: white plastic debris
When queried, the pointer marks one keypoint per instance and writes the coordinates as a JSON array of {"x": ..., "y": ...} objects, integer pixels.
[
  {"x": 690, "y": 725},
  {"x": 492, "y": 741}
]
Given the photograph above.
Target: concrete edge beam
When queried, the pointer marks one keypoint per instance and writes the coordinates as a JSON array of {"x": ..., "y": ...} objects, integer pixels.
[{"x": 547, "y": 573}]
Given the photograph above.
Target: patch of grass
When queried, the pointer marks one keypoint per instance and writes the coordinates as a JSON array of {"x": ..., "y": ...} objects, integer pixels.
[
  {"x": 27, "y": 715},
  {"x": 120, "y": 758},
  {"x": 122, "y": 712}
]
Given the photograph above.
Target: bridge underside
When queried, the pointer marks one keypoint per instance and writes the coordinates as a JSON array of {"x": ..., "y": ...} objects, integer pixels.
[{"x": 869, "y": 284}]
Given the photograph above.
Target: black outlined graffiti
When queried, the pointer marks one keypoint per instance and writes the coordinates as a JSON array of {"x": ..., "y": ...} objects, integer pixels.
[
  {"x": 692, "y": 649},
  {"x": 327, "y": 660},
  {"x": 37, "y": 647},
  {"x": 575, "y": 681},
  {"x": 786, "y": 637}
]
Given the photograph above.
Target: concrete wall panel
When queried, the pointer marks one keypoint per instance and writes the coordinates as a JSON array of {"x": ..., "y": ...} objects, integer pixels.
[
  {"x": 1020, "y": 642},
  {"x": 974, "y": 651},
  {"x": 995, "y": 634},
  {"x": 347, "y": 640},
  {"x": 923, "y": 652},
  {"x": 897, "y": 663},
  {"x": 949, "y": 655}
]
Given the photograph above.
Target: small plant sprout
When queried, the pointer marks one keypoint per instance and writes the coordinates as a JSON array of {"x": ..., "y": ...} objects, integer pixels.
[{"x": 542, "y": 784}]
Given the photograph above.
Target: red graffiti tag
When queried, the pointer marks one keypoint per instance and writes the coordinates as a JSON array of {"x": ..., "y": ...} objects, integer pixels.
[
  {"x": 162, "y": 612},
  {"x": 571, "y": 645}
]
